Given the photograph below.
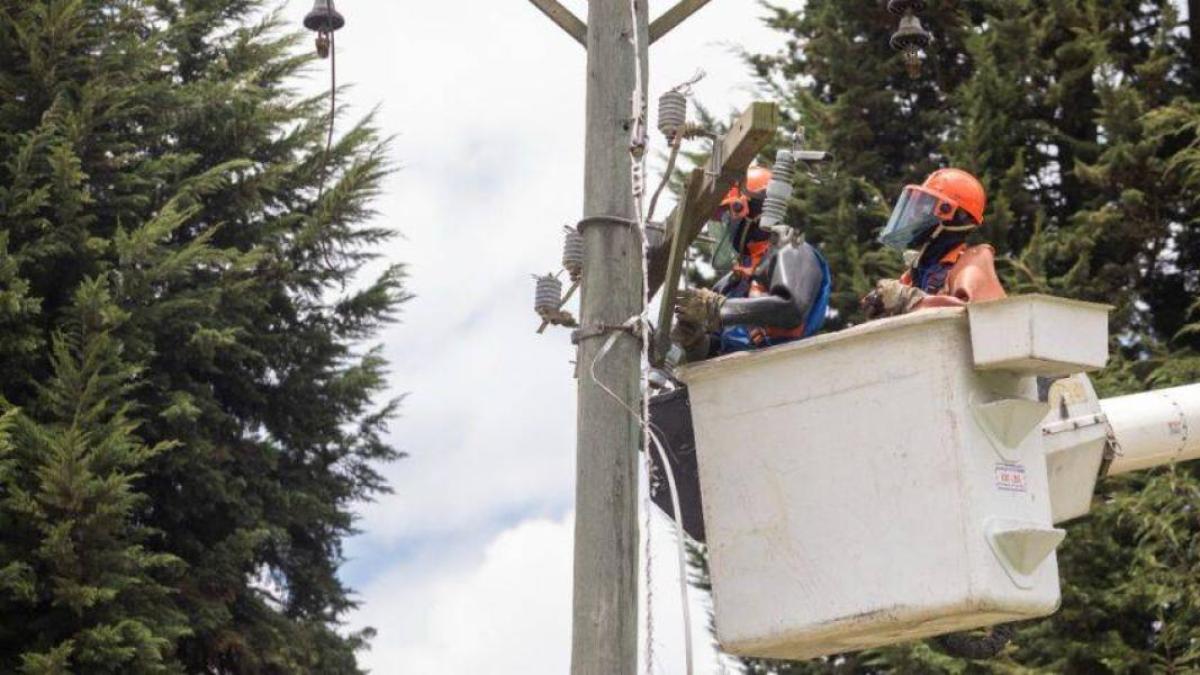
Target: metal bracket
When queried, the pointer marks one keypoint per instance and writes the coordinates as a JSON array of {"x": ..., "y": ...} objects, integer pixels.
[
  {"x": 596, "y": 330},
  {"x": 716, "y": 161},
  {"x": 1074, "y": 424}
]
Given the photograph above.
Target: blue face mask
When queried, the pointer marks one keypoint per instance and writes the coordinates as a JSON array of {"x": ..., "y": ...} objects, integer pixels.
[{"x": 915, "y": 216}]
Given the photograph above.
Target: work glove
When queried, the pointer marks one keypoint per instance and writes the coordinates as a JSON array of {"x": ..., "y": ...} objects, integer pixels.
[
  {"x": 891, "y": 298},
  {"x": 691, "y": 338},
  {"x": 701, "y": 307}
]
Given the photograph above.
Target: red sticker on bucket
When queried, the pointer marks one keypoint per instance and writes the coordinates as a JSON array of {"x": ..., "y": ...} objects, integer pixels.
[{"x": 1010, "y": 478}]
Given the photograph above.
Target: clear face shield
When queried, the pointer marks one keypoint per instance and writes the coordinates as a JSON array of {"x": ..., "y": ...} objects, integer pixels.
[{"x": 917, "y": 212}]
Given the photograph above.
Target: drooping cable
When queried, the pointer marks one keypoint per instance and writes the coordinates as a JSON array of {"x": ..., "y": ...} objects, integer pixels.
[
  {"x": 332, "y": 106},
  {"x": 676, "y": 143},
  {"x": 637, "y": 150},
  {"x": 652, "y": 440}
]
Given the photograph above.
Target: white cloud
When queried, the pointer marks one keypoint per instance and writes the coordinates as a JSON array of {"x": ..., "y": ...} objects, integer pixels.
[
  {"x": 507, "y": 614},
  {"x": 509, "y": 611}
]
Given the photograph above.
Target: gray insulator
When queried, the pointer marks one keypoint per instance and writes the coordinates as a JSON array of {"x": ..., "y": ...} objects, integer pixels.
[
  {"x": 779, "y": 190},
  {"x": 548, "y": 295},
  {"x": 672, "y": 113},
  {"x": 572, "y": 258}
]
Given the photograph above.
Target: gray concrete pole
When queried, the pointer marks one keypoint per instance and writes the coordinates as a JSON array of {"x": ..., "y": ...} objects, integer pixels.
[{"x": 604, "y": 638}]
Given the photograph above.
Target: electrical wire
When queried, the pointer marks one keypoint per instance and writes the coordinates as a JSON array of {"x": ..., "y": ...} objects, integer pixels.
[
  {"x": 676, "y": 143},
  {"x": 638, "y": 172},
  {"x": 332, "y": 104},
  {"x": 652, "y": 439}
]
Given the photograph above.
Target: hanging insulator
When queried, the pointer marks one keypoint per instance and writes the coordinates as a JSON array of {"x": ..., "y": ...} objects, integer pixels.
[
  {"x": 572, "y": 258},
  {"x": 672, "y": 113},
  {"x": 547, "y": 296},
  {"x": 909, "y": 39},
  {"x": 323, "y": 19},
  {"x": 779, "y": 190}
]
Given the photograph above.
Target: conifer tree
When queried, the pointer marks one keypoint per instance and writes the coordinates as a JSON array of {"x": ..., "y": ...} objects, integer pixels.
[
  {"x": 189, "y": 414},
  {"x": 76, "y": 566}
]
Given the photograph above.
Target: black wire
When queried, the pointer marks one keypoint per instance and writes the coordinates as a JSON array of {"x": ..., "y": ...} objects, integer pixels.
[
  {"x": 332, "y": 90},
  {"x": 324, "y": 172},
  {"x": 332, "y": 101}
]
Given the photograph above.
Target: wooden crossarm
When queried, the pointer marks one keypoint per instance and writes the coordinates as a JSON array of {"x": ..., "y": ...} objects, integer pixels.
[
  {"x": 673, "y": 17},
  {"x": 565, "y": 20}
]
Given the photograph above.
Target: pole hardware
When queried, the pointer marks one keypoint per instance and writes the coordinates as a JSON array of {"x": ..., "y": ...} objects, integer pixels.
[
  {"x": 602, "y": 329},
  {"x": 606, "y": 221},
  {"x": 548, "y": 301},
  {"x": 911, "y": 37},
  {"x": 788, "y": 164},
  {"x": 324, "y": 20},
  {"x": 548, "y": 296}
]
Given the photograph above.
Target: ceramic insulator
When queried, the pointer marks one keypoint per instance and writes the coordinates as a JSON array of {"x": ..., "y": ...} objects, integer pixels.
[
  {"x": 672, "y": 113},
  {"x": 547, "y": 295},
  {"x": 572, "y": 257},
  {"x": 779, "y": 191}
]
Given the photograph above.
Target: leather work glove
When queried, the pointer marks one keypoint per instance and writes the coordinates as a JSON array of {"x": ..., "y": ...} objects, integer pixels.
[
  {"x": 701, "y": 307},
  {"x": 891, "y": 298},
  {"x": 691, "y": 338}
]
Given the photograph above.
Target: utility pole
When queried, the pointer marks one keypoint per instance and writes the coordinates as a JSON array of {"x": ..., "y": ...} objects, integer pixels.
[
  {"x": 604, "y": 629},
  {"x": 604, "y": 636}
]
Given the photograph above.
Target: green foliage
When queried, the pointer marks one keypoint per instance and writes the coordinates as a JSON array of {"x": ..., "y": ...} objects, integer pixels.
[
  {"x": 76, "y": 566},
  {"x": 187, "y": 416},
  {"x": 1081, "y": 119}
]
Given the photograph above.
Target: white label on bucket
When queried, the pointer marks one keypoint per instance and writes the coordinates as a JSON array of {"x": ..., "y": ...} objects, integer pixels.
[{"x": 1010, "y": 477}]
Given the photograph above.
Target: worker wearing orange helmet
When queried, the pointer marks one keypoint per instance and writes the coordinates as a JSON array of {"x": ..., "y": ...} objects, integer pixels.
[
  {"x": 930, "y": 223},
  {"x": 778, "y": 290}
]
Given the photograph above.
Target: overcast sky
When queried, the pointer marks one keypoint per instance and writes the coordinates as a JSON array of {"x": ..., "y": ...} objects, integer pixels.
[{"x": 466, "y": 568}]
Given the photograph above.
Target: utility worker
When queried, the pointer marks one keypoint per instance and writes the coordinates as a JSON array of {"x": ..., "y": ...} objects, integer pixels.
[
  {"x": 778, "y": 290},
  {"x": 930, "y": 224}
]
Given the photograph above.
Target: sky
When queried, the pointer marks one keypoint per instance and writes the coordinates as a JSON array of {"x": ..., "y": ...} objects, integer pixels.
[{"x": 466, "y": 567}]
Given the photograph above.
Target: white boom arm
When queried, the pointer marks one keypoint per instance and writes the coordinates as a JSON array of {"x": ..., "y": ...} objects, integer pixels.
[
  {"x": 1154, "y": 428},
  {"x": 1144, "y": 430}
]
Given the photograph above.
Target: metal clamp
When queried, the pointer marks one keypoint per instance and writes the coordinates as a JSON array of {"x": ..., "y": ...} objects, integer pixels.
[
  {"x": 1074, "y": 424},
  {"x": 606, "y": 220},
  {"x": 716, "y": 161},
  {"x": 596, "y": 330}
]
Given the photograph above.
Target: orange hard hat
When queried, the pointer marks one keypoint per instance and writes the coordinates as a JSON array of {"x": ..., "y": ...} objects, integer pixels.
[
  {"x": 959, "y": 189},
  {"x": 755, "y": 186},
  {"x": 934, "y": 207}
]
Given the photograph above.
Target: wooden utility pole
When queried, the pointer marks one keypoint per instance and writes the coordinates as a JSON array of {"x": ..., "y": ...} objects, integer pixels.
[
  {"x": 604, "y": 637},
  {"x": 604, "y": 630}
]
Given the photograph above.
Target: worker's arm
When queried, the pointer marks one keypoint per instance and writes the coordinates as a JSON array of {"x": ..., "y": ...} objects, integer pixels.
[{"x": 793, "y": 277}]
